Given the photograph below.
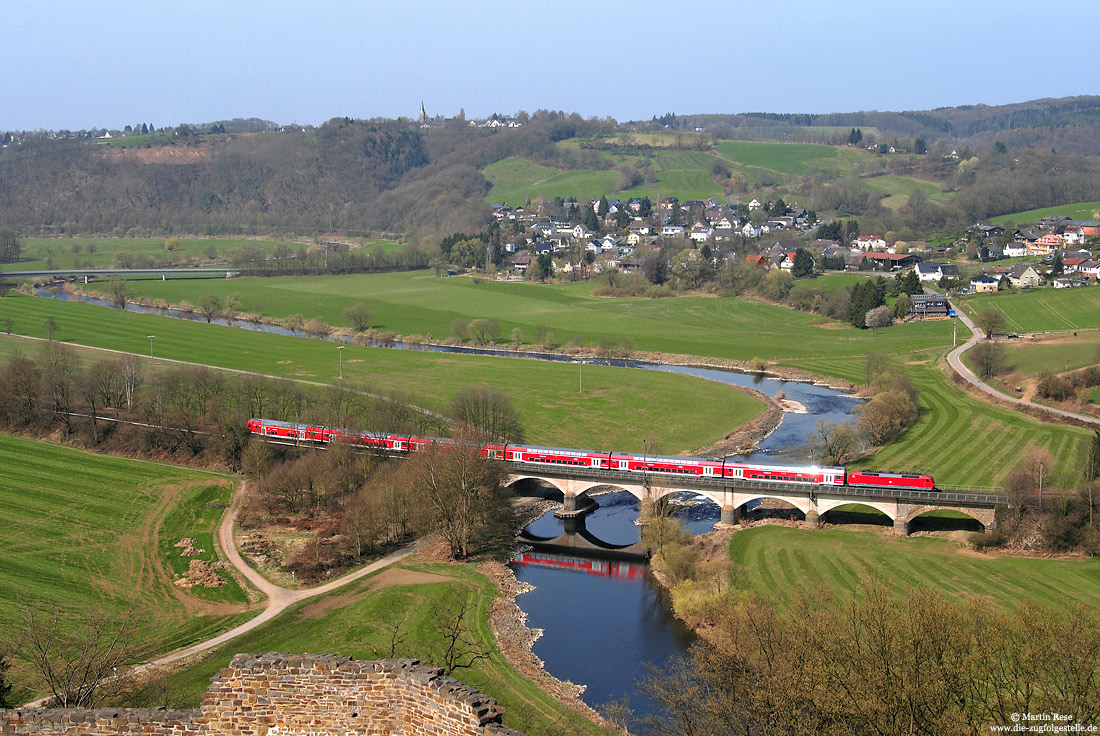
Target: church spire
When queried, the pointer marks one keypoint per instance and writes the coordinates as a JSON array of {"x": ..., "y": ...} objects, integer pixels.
[{"x": 423, "y": 116}]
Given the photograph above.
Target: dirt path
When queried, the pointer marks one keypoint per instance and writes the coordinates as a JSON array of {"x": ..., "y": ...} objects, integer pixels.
[{"x": 278, "y": 598}]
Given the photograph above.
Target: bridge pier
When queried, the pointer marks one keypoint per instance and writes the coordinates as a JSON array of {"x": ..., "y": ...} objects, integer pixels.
[
  {"x": 574, "y": 506},
  {"x": 901, "y": 527},
  {"x": 813, "y": 519},
  {"x": 731, "y": 516}
]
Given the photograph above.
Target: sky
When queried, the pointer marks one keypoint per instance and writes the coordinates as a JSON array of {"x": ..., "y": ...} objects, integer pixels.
[{"x": 108, "y": 63}]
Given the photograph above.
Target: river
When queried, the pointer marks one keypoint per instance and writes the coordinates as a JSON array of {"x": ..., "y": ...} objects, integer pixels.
[{"x": 603, "y": 620}]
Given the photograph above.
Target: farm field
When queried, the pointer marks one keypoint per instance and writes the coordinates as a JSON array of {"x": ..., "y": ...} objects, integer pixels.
[
  {"x": 84, "y": 531},
  {"x": 619, "y": 408},
  {"x": 349, "y": 622},
  {"x": 37, "y": 250},
  {"x": 963, "y": 440},
  {"x": 418, "y": 304},
  {"x": 681, "y": 174},
  {"x": 898, "y": 188},
  {"x": 514, "y": 180},
  {"x": 1042, "y": 310},
  {"x": 1078, "y": 211},
  {"x": 792, "y": 158},
  {"x": 777, "y": 562}
]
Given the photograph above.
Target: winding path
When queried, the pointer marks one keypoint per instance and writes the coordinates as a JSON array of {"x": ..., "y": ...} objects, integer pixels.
[{"x": 954, "y": 358}]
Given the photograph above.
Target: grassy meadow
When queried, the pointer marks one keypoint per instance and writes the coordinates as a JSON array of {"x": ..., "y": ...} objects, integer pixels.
[
  {"x": 1041, "y": 310},
  {"x": 349, "y": 622},
  {"x": 417, "y": 303},
  {"x": 619, "y": 408},
  {"x": 963, "y": 440},
  {"x": 515, "y": 180},
  {"x": 84, "y": 531},
  {"x": 778, "y": 562},
  {"x": 1078, "y": 211},
  {"x": 1055, "y": 355}
]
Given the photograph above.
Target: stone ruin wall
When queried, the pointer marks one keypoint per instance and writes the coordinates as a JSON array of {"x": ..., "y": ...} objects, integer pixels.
[{"x": 294, "y": 695}]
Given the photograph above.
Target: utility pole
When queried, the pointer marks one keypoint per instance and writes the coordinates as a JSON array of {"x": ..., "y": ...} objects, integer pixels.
[
  {"x": 955, "y": 334},
  {"x": 340, "y": 352},
  {"x": 1040, "y": 486},
  {"x": 151, "y": 348}
]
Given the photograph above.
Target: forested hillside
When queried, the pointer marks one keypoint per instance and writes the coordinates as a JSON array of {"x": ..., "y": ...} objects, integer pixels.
[{"x": 917, "y": 173}]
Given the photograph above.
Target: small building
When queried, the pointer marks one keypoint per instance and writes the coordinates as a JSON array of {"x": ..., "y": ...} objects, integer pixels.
[
  {"x": 1024, "y": 275},
  {"x": 672, "y": 231},
  {"x": 1070, "y": 282},
  {"x": 928, "y": 305},
  {"x": 891, "y": 261}
]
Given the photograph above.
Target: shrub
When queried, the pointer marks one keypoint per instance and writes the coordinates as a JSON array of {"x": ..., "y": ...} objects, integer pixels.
[{"x": 1054, "y": 387}]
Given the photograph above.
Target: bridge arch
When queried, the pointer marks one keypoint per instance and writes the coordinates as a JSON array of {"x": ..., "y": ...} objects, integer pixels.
[
  {"x": 983, "y": 517},
  {"x": 884, "y": 507},
  {"x": 804, "y": 504},
  {"x": 579, "y": 487}
]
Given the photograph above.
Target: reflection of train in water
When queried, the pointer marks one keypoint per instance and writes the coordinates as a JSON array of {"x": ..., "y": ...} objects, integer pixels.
[
  {"x": 611, "y": 461},
  {"x": 603, "y": 568}
]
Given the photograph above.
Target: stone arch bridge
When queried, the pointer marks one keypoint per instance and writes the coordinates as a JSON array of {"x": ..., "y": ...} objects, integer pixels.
[{"x": 902, "y": 506}]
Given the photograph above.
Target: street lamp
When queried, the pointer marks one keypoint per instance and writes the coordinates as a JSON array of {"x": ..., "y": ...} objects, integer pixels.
[
  {"x": 340, "y": 350},
  {"x": 151, "y": 347}
]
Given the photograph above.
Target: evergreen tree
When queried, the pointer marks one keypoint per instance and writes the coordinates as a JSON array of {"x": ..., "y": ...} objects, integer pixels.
[
  {"x": 910, "y": 283},
  {"x": 602, "y": 207},
  {"x": 1058, "y": 268},
  {"x": 803, "y": 264},
  {"x": 646, "y": 208},
  {"x": 590, "y": 220},
  {"x": 920, "y": 146}
]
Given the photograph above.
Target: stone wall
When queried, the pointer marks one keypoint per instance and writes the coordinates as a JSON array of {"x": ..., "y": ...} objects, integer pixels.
[{"x": 296, "y": 695}]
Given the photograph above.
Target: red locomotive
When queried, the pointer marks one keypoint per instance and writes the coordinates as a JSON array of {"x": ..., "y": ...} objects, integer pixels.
[{"x": 656, "y": 464}]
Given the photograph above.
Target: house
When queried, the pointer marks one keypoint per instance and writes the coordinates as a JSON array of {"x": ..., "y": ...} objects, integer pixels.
[
  {"x": 542, "y": 246},
  {"x": 1053, "y": 223},
  {"x": 1068, "y": 282},
  {"x": 1044, "y": 245},
  {"x": 1073, "y": 236},
  {"x": 891, "y": 261},
  {"x": 757, "y": 261},
  {"x": 1072, "y": 264},
  {"x": 672, "y": 231},
  {"x": 982, "y": 283},
  {"x": 1013, "y": 249},
  {"x": 990, "y": 231},
  {"x": 1089, "y": 228},
  {"x": 749, "y": 230},
  {"x": 1077, "y": 253},
  {"x": 670, "y": 203},
  {"x": 634, "y": 238},
  {"x": 822, "y": 245},
  {"x": 634, "y": 204},
  {"x": 928, "y": 305},
  {"x": 930, "y": 271},
  {"x": 727, "y": 223},
  {"x": 1026, "y": 235},
  {"x": 834, "y": 251},
  {"x": 869, "y": 242},
  {"x": 521, "y": 262},
  {"x": 1024, "y": 275},
  {"x": 785, "y": 246},
  {"x": 580, "y": 232},
  {"x": 755, "y": 204},
  {"x": 701, "y": 232},
  {"x": 1090, "y": 268},
  {"x": 641, "y": 228}
]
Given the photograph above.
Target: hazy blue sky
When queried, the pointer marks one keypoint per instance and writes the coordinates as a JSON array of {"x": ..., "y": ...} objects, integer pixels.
[{"x": 106, "y": 63}]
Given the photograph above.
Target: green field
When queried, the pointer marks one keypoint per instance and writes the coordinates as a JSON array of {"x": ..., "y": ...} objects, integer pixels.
[
  {"x": 963, "y": 440},
  {"x": 619, "y": 408},
  {"x": 1042, "y": 310},
  {"x": 685, "y": 175},
  {"x": 415, "y": 303},
  {"x": 86, "y": 532},
  {"x": 515, "y": 180},
  {"x": 36, "y": 251},
  {"x": 896, "y": 189},
  {"x": 347, "y": 622},
  {"x": 1078, "y": 211},
  {"x": 777, "y": 562},
  {"x": 1027, "y": 358},
  {"x": 792, "y": 158}
]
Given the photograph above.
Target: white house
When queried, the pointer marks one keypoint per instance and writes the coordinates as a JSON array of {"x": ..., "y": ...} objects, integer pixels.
[
  {"x": 869, "y": 242},
  {"x": 755, "y": 204},
  {"x": 1013, "y": 249},
  {"x": 750, "y": 231},
  {"x": 672, "y": 231}
]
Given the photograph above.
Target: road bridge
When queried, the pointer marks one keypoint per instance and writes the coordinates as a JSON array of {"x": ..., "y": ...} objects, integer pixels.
[{"x": 902, "y": 506}]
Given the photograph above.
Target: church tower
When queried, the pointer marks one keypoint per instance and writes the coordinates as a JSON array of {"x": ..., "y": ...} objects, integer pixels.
[{"x": 422, "y": 118}]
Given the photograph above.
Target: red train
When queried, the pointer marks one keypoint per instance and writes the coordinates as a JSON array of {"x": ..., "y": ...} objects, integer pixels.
[{"x": 656, "y": 464}]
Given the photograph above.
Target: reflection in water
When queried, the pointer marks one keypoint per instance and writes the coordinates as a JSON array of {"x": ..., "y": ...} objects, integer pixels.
[{"x": 569, "y": 563}]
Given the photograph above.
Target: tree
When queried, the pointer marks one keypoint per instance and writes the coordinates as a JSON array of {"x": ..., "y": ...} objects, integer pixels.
[
  {"x": 517, "y": 337},
  {"x": 484, "y": 331},
  {"x": 991, "y": 321},
  {"x": 459, "y": 642},
  {"x": 902, "y": 306},
  {"x": 833, "y": 443},
  {"x": 359, "y": 317},
  {"x": 1092, "y": 471},
  {"x": 910, "y": 283},
  {"x": 920, "y": 146},
  {"x": 490, "y": 411},
  {"x": 294, "y": 322},
  {"x": 988, "y": 357},
  {"x": 855, "y": 136},
  {"x": 210, "y": 306},
  {"x": 119, "y": 290},
  {"x": 803, "y": 264},
  {"x": 10, "y": 247},
  {"x": 1058, "y": 268},
  {"x": 51, "y": 327},
  {"x": 459, "y": 492},
  {"x": 5, "y": 684},
  {"x": 460, "y": 330},
  {"x": 81, "y": 666},
  {"x": 878, "y": 317}
]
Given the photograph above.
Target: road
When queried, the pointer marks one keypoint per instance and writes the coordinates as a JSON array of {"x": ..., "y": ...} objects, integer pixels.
[{"x": 954, "y": 359}]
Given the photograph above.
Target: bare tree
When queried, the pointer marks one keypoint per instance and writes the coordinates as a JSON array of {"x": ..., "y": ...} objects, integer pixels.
[
  {"x": 393, "y": 614},
  {"x": 484, "y": 331},
  {"x": 80, "y": 666},
  {"x": 988, "y": 357},
  {"x": 489, "y": 410},
  {"x": 460, "y": 644},
  {"x": 119, "y": 290},
  {"x": 210, "y": 306},
  {"x": 5, "y": 685},
  {"x": 59, "y": 365},
  {"x": 990, "y": 321},
  {"x": 51, "y": 327},
  {"x": 833, "y": 443},
  {"x": 359, "y": 317}
]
